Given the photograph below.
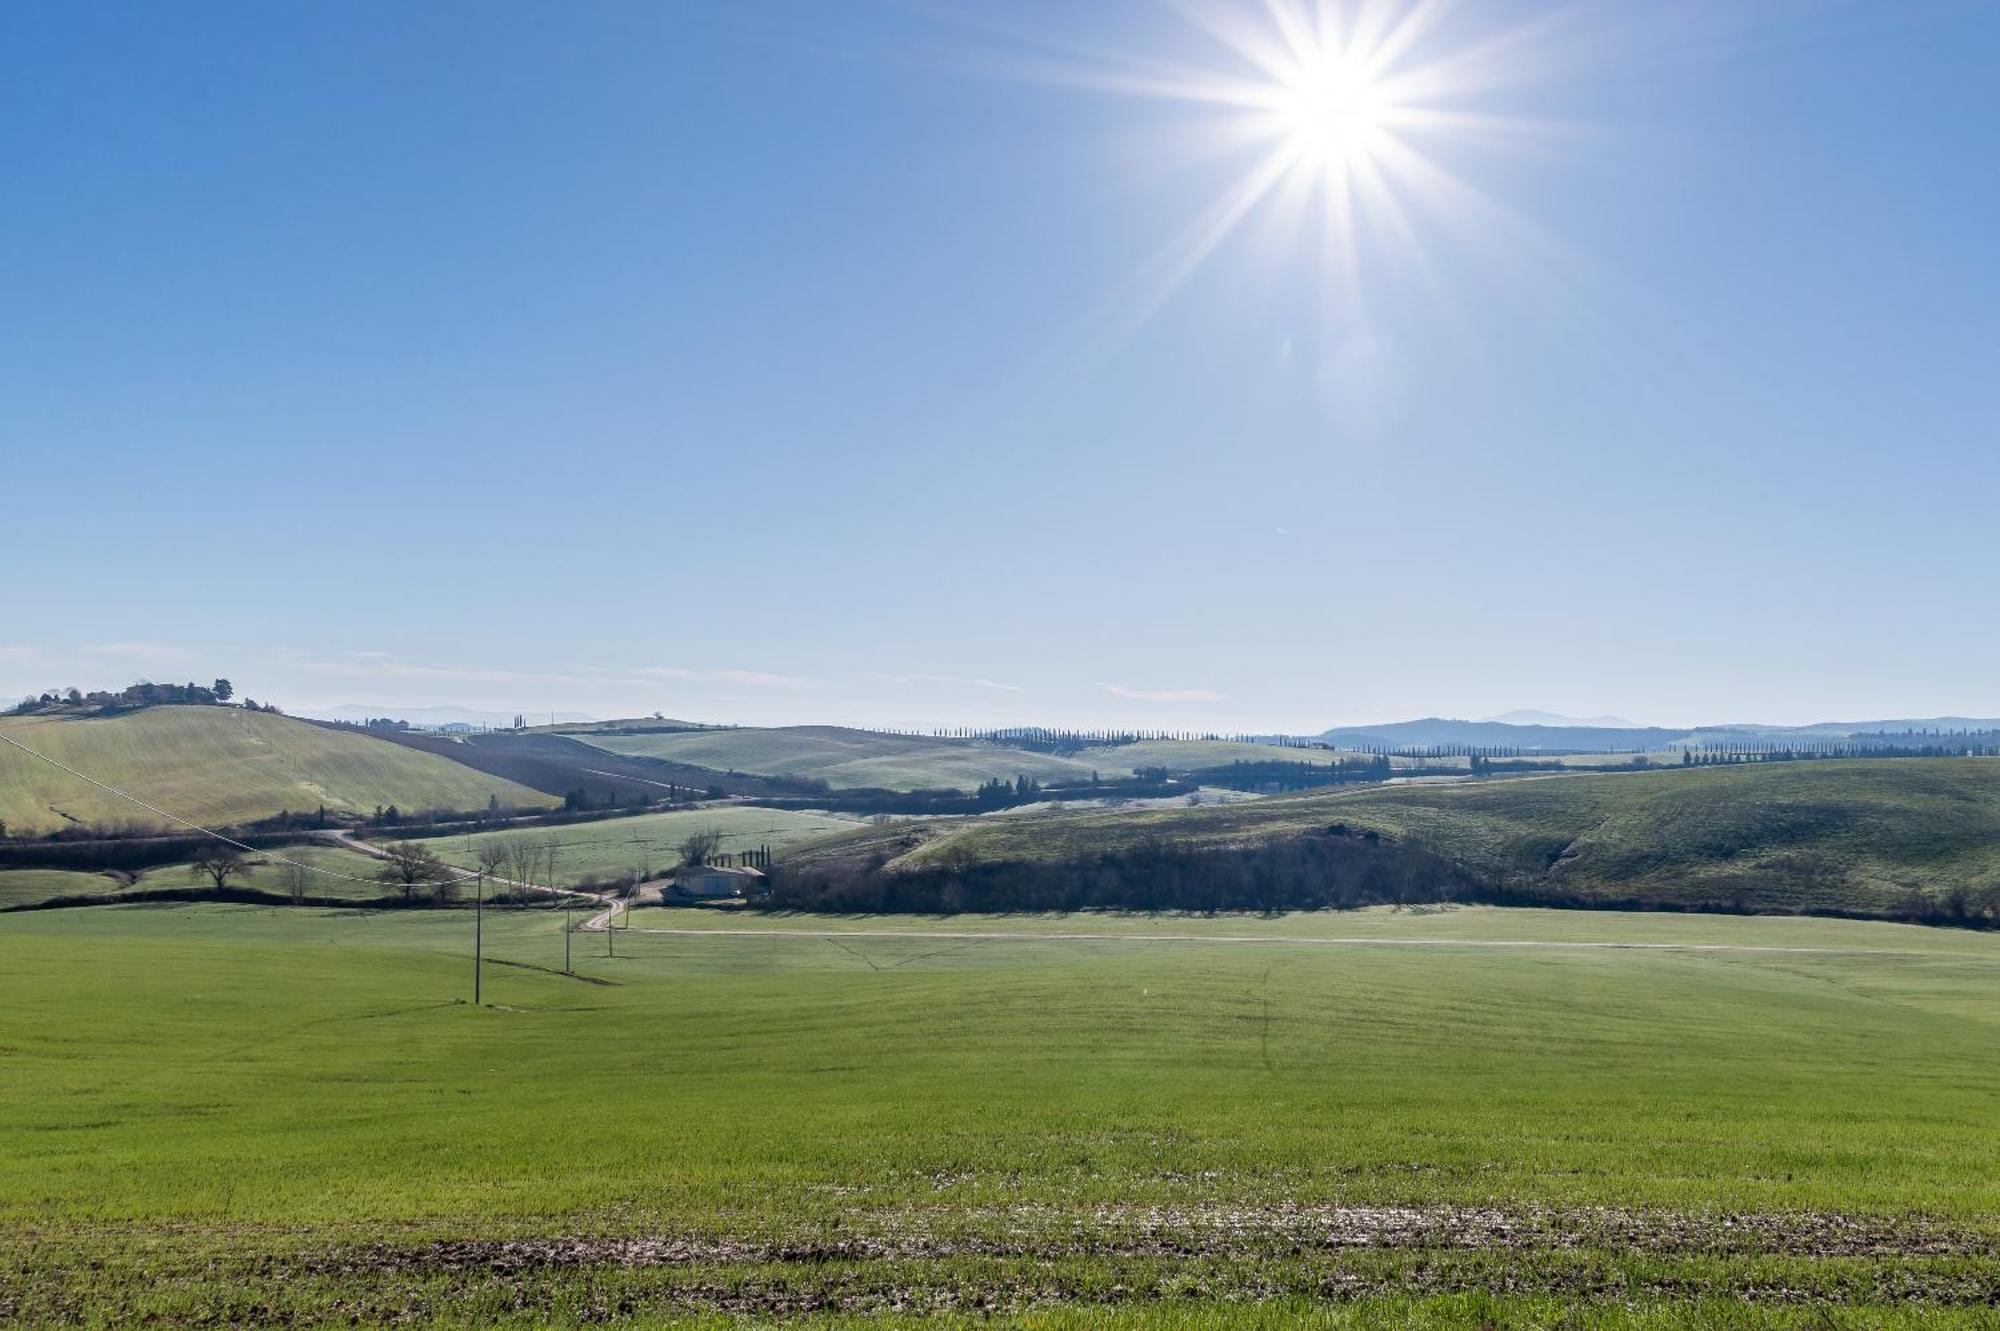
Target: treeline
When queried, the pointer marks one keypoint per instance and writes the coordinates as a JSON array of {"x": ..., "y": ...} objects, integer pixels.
[
  {"x": 143, "y": 694},
  {"x": 1045, "y": 739},
  {"x": 129, "y": 854},
  {"x": 1269, "y": 778},
  {"x": 1902, "y": 747},
  {"x": 994, "y": 794}
]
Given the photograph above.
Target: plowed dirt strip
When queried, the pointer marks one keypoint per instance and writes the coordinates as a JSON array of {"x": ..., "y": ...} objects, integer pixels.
[{"x": 1214, "y": 1231}]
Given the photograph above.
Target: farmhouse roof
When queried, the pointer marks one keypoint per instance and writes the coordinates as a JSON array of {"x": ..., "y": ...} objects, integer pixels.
[{"x": 717, "y": 868}]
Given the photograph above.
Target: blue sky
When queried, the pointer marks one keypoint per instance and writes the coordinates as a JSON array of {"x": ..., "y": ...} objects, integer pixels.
[{"x": 796, "y": 361}]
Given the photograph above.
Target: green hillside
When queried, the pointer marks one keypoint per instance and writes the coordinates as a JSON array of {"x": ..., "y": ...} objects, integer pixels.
[
  {"x": 849, "y": 759},
  {"x": 1849, "y": 835},
  {"x": 1187, "y": 755},
  {"x": 649, "y": 842},
  {"x": 23, "y": 887},
  {"x": 222, "y": 765}
]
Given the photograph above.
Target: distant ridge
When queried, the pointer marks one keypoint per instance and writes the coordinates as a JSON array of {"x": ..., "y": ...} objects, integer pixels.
[
  {"x": 1529, "y": 716},
  {"x": 1589, "y": 737}
]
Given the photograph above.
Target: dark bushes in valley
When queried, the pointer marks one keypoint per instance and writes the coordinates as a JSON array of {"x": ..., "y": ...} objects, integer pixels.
[
  {"x": 1319, "y": 872},
  {"x": 1336, "y": 868},
  {"x": 1276, "y": 775},
  {"x": 995, "y": 794}
]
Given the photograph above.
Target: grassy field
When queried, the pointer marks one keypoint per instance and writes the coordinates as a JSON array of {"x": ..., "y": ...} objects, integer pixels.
[
  {"x": 850, "y": 758},
  {"x": 265, "y": 873},
  {"x": 262, "y": 873},
  {"x": 1849, "y": 835},
  {"x": 223, "y": 765},
  {"x": 20, "y": 887},
  {"x": 257, "y": 1115},
  {"x": 651, "y": 841}
]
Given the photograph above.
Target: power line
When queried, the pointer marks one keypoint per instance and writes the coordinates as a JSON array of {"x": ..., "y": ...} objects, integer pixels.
[{"x": 211, "y": 832}]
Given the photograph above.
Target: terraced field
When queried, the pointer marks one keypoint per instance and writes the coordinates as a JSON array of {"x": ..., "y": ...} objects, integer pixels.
[{"x": 223, "y": 765}]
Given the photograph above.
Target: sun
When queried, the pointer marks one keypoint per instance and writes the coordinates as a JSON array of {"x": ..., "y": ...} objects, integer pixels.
[
  {"x": 1331, "y": 115},
  {"x": 1337, "y": 130}
]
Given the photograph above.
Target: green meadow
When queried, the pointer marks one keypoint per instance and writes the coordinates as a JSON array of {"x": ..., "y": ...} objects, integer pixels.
[
  {"x": 250, "y": 1115},
  {"x": 331, "y": 872},
  {"x": 649, "y": 842}
]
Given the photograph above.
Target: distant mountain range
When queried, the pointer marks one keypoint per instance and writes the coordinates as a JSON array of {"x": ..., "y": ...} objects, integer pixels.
[{"x": 1595, "y": 737}]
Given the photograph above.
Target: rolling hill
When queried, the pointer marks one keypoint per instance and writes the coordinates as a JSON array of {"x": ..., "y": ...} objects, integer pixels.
[
  {"x": 223, "y": 765},
  {"x": 844, "y": 758},
  {"x": 649, "y": 843},
  {"x": 1853, "y": 836}
]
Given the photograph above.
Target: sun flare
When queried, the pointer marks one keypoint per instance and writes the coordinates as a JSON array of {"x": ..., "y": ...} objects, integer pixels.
[
  {"x": 1331, "y": 117},
  {"x": 1346, "y": 120}
]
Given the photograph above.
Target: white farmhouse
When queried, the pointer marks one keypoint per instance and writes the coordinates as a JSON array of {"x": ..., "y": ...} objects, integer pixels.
[{"x": 709, "y": 882}]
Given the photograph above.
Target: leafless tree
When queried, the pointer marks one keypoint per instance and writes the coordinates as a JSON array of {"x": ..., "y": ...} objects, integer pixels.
[
  {"x": 700, "y": 847},
  {"x": 412, "y": 865},
  {"x": 492, "y": 858},
  {"x": 551, "y": 854},
  {"x": 524, "y": 859},
  {"x": 218, "y": 866},
  {"x": 295, "y": 874}
]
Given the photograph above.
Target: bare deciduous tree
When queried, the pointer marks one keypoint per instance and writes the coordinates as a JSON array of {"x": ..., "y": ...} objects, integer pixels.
[
  {"x": 218, "y": 866},
  {"x": 412, "y": 865},
  {"x": 700, "y": 847},
  {"x": 551, "y": 854},
  {"x": 491, "y": 856}
]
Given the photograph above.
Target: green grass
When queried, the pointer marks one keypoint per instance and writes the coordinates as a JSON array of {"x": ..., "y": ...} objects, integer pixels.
[
  {"x": 264, "y": 872},
  {"x": 651, "y": 841},
  {"x": 214, "y": 1097},
  {"x": 21, "y": 887},
  {"x": 1848, "y": 835},
  {"x": 848, "y": 759},
  {"x": 223, "y": 765}
]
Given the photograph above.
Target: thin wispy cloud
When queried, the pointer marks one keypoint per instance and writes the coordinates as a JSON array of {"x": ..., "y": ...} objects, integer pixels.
[
  {"x": 143, "y": 653},
  {"x": 372, "y": 665},
  {"x": 1161, "y": 695},
  {"x": 381, "y": 666},
  {"x": 756, "y": 679},
  {"x": 949, "y": 681},
  {"x": 20, "y": 655}
]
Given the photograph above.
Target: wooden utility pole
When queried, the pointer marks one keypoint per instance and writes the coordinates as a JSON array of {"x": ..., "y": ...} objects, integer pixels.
[{"x": 478, "y": 931}]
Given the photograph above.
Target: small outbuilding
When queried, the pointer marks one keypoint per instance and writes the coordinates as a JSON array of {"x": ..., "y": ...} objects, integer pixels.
[{"x": 712, "y": 882}]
